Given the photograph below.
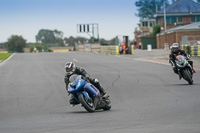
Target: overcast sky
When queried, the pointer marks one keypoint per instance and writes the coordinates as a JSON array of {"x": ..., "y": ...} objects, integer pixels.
[{"x": 27, "y": 17}]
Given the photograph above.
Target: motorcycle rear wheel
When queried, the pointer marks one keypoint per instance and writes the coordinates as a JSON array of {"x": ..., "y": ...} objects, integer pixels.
[{"x": 108, "y": 105}]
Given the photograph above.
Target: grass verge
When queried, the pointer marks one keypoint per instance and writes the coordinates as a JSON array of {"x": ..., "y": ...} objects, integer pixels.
[{"x": 4, "y": 56}]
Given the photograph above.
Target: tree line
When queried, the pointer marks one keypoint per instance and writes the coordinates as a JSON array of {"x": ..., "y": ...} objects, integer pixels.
[{"x": 48, "y": 38}]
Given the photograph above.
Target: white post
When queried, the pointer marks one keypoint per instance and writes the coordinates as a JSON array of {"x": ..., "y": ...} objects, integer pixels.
[{"x": 149, "y": 48}]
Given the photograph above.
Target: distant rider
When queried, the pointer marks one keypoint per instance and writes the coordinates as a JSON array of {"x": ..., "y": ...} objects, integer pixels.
[
  {"x": 172, "y": 56},
  {"x": 72, "y": 69}
]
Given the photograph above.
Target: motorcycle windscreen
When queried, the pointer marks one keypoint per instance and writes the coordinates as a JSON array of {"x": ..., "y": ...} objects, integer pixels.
[
  {"x": 180, "y": 60},
  {"x": 77, "y": 82},
  {"x": 73, "y": 78},
  {"x": 92, "y": 90}
]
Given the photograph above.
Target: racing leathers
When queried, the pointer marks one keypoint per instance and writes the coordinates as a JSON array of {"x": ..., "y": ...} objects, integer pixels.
[{"x": 81, "y": 71}]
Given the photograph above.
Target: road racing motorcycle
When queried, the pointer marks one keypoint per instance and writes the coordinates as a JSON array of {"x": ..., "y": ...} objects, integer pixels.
[
  {"x": 184, "y": 68},
  {"x": 87, "y": 94}
]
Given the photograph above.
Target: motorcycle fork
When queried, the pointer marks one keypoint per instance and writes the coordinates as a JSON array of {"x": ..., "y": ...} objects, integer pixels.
[{"x": 180, "y": 73}]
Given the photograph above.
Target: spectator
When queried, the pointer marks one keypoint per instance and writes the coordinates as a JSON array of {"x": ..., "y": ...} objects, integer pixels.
[
  {"x": 123, "y": 48},
  {"x": 140, "y": 45},
  {"x": 134, "y": 43},
  {"x": 120, "y": 49}
]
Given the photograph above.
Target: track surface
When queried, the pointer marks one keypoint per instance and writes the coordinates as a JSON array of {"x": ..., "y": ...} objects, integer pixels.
[{"x": 146, "y": 97}]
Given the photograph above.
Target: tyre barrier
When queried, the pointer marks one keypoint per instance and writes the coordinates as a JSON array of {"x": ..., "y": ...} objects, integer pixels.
[
  {"x": 192, "y": 50},
  {"x": 97, "y": 48},
  {"x": 195, "y": 51},
  {"x": 113, "y": 50},
  {"x": 132, "y": 49},
  {"x": 60, "y": 50}
]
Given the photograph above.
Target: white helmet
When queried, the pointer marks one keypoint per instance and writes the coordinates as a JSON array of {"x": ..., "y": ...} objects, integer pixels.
[
  {"x": 175, "y": 47},
  {"x": 70, "y": 68}
]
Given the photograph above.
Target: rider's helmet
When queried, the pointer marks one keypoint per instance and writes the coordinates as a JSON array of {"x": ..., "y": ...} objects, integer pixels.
[
  {"x": 175, "y": 47},
  {"x": 70, "y": 68}
]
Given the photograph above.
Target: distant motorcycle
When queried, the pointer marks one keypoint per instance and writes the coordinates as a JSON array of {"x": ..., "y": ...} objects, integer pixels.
[
  {"x": 184, "y": 68},
  {"x": 87, "y": 94}
]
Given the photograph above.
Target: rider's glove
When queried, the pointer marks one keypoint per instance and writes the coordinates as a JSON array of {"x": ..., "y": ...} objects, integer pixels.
[
  {"x": 88, "y": 78},
  {"x": 188, "y": 56}
]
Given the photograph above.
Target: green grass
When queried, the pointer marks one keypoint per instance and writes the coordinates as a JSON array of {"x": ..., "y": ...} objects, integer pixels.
[{"x": 4, "y": 56}]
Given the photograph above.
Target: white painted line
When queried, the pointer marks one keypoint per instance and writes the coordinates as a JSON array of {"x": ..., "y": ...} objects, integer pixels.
[
  {"x": 7, "y": 59},
  {"x": 75, "y": 60}
]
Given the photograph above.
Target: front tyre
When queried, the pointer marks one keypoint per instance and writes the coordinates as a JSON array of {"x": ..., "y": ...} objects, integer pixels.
[
  {"x": 87, "y": 104},
  {"x": 188, "y": 76}
]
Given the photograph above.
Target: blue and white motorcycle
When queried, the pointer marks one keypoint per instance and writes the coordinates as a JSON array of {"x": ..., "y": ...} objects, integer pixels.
[{"x": 87, "y": 94}]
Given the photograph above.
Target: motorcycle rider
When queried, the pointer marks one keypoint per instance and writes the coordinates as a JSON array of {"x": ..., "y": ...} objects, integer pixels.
[
  {"x": 172, "y": 56},
  {"x": 72, "y": 69}
]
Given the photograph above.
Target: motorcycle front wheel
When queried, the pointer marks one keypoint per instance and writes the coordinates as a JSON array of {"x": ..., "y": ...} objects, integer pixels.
[
  {"x": 87, "y": 104},
  {"x": 188, "y": 76}
]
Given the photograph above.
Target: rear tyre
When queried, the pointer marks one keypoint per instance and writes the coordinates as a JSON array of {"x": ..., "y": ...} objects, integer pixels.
[
  {"x": 188, "y": 76},
  {"x": 87, "y": 104},
  {"x": 108, "y": 105}
]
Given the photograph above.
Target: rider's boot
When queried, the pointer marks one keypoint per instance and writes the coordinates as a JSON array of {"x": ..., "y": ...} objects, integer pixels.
[
  {"x": 193, "y": 70},
  {"x": 99, "y": 87},
  {"x": 180, "y": 76}
]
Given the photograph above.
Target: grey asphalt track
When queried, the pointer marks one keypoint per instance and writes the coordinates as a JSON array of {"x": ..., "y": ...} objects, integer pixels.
[{"x": 146, "y": 97}]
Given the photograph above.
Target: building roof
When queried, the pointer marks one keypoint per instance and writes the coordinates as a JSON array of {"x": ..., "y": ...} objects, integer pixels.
[
  {"x": 193, "y": 26},
  {"x": 181, "y": 7},
  {"x": 147, "y": 20}
]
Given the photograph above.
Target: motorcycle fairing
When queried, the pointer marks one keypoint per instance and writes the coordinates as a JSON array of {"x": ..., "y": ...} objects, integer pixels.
[
  {"x": 92, "y": 90},
  {"x": 76, "y": 85}
]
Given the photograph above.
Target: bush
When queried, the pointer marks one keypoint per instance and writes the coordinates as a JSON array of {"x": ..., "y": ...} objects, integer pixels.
[
  {"x": 156, "y": 30},
  {"x": 2, "y": 45},
  {"x": 39, "y": 47},
  {"x": 16, "y": 44}
]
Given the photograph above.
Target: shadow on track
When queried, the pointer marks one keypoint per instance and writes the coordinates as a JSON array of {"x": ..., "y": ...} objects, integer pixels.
[
  {"x": 183, "y": 84},
  {"x": 84, "y": 112}
]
